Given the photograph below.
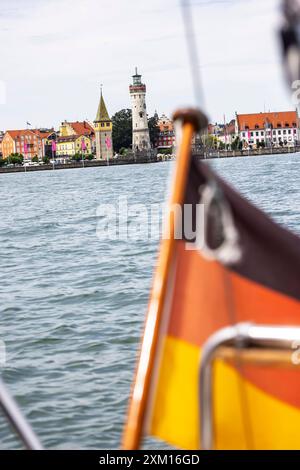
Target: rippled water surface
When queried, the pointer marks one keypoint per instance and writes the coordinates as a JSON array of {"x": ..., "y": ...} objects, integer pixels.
[{"x": 72, "y": 306}]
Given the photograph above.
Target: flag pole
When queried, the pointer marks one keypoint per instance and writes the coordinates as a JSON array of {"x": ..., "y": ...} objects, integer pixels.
[
  {"x": 192, "y": 121},
  {"x": 25, "y": 151},
  {"x": 53, "y": 151},
  {"x": 82, "y": 158}
]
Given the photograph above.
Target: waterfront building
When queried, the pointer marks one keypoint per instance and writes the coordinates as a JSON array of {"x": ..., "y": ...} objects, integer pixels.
[
  {"x": 69, "y": 145},
  {"x": 140, "y": 130},
  {"x": 223, "y": 133},
  {"x": 103, "y": 132},
  {"x": 166, "y": 136},
  {"x": 227, "y": 132},
  {"x": 1, "y": 139},
  {"x": 76, "y": 128},
  {"x": 44, "y": 141},
  {"x": 68, "y": 129},
  {"x": 27, "y": 142},
  {"x": 268, "y": 129}
]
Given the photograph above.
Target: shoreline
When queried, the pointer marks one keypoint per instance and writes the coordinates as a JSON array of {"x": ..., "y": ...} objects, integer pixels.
[
  {"x": 244, "y": 153},
  {"x": 73, "y": 165},
  {"x": 146, "y": 160}
]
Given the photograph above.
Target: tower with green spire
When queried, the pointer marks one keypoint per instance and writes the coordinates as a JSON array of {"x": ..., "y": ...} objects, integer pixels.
[{"x": 103, "y": 132}]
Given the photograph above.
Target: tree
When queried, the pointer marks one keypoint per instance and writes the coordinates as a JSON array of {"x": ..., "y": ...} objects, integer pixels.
[
  {"x": 211, "y": 141},
  {"x": 122, "y": 129},
  {"x": 46, "y": 160},
  {"x": 35, "y": 159},
  {"x": 153, "y": 130},
  {"x": 123, "y": 151},
  {"x": 166, "y": 151},
  {"x": 78, "y": 157},
  {"x": 236, "y": 143},
  {"x": 15, "y": 159}
]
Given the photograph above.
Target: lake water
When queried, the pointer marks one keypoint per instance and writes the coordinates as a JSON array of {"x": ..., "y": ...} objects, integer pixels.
[{"x": 73, "y": 306}]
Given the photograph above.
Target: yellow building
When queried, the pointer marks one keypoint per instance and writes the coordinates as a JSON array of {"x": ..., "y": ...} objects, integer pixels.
[
  {"x": 76, "y": 128},
  {"x": 68, "y": 146}
]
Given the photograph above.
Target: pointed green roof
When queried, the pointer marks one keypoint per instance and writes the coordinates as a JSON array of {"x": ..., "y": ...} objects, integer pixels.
[{"x": 102, "y": 114}]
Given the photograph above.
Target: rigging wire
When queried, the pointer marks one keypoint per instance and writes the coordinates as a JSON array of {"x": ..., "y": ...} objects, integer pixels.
[
  {"x": 192, "y": 52},
  {"x": 228, "y": 288}
]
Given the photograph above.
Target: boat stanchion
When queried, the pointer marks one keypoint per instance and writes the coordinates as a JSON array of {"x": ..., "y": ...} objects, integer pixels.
[
  {"x": 17, "y": 419},
  {"x": 244, "y": 343}
]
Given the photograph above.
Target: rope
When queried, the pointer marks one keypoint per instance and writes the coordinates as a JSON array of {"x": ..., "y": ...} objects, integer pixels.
[
  {"x": 199, "y": 97},
  {"x": 193, "y": 52}
]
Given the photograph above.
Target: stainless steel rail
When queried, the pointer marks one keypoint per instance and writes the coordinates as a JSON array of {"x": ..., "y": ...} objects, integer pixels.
[
  {"x": 17, "y": 420},
  {"x": 244, "y": 342}
]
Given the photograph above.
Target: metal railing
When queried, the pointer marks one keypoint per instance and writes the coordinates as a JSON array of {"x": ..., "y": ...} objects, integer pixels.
[
  {"x": 242, "y": 343},
  {"x": 17, "y": 419}
]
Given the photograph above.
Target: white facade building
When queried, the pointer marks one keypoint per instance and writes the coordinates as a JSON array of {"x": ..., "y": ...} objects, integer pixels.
[
  {"x": 270, "y": 129},
  {"x": 140, "y": 130}
]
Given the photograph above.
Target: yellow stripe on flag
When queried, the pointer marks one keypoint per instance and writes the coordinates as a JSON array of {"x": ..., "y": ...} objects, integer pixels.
[{"x": 175, "y": 416}]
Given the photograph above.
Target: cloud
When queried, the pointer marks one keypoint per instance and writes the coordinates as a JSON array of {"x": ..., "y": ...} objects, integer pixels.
[{"x": 55, "y": 54}]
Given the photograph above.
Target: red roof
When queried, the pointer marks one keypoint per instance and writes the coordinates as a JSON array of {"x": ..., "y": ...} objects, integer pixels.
[
  {"x": 259, "y": 121},
  {"x": 67, "y": 138},
  {"x": 81, "y": 128},
  {"x": 16, "y": 134},
  {"x": 42, "y": 133}
]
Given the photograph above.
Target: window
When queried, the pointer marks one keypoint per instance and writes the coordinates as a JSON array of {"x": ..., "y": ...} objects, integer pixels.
[
  {"x": 289, "y": 131},
  {"x": 287, "y": 124},
  {"x": 256, "y": 126},
  {"x": 251, "y": 134},
  {"x": 257, "y": 133},
  {"x": 284, "y": 131},
  {"x": 279, "y": 125},
  {"x": 294, "y": 124},
  {"x": 279, "y": 132},
  {"x": 141, "y": 114},
  {"x": 102, "y": 124}
]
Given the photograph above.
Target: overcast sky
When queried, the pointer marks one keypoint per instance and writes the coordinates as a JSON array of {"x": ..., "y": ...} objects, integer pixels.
[{"x": 55, "y": 53}]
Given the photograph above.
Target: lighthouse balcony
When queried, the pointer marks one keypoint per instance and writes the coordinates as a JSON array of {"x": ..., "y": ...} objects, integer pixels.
[{"x": 137, "y": 88}]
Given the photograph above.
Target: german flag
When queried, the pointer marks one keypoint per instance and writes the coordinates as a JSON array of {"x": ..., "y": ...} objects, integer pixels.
[{"x": 236, "y": 266}]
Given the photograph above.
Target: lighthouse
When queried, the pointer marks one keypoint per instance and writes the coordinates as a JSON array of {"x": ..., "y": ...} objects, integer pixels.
[
  {"x": 140, "y": 130},
  {"x": 103, "y": 132}
]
